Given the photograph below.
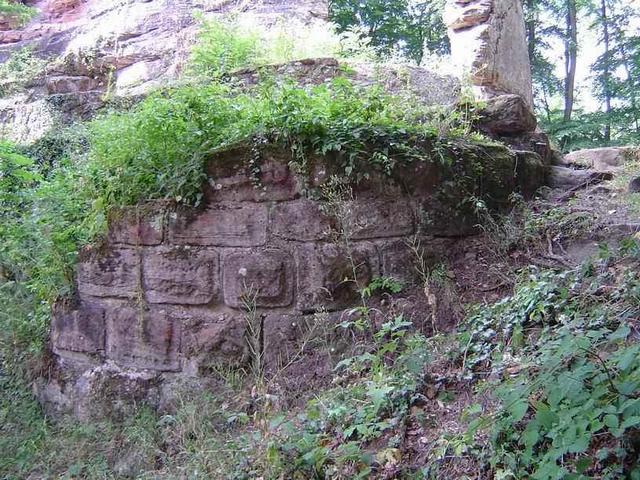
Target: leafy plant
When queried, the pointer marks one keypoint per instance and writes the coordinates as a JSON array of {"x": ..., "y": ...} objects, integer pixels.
[
  {"x": 223, "y": 47},
  {"x": 21, "y": 68},
  {"x": 383, "y": 285},
  {"x": 565, "y": 371}
]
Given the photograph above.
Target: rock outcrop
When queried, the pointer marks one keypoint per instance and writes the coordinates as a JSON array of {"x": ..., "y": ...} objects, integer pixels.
[
  {"x": 488, "y": 44},
  {"x": 606, "y": 159}
]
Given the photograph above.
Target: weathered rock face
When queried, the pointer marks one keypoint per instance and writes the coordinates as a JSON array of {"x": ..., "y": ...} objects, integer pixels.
[
  {"x": 123, "y": 48},
  {"x": 488, "y": 44},
  {"x": 507, "y": 115},
  {"x": 167, "y": 296}
]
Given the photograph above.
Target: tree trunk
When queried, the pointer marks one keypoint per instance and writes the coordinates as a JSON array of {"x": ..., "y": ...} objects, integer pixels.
[
  {"x": 531, "y": 29},
  {"x": 607, "y": 73},
  {"x": 631, "y": 87},
  {"x": 571, "y": 54}
]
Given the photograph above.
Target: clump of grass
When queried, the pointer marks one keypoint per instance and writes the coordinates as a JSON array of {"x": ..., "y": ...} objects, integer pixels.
[{"x": 223, "y": 47}]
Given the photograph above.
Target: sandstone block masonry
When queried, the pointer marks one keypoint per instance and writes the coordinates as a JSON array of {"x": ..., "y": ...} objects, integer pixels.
[{"x": 168, "y": 295}]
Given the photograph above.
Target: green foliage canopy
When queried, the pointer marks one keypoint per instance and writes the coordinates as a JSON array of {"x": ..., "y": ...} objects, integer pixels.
[{"x": 413, "y": 28}]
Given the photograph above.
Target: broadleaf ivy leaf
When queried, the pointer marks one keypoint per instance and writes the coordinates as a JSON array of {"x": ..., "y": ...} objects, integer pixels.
[
  {"x": 611, "y": 421},
  {"x": 518, "y": 409},
  {"x": 631, "y": 422}
]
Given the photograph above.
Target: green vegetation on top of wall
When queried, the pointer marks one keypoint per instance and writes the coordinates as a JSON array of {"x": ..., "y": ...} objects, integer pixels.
[{"x": 158, "y": 149}]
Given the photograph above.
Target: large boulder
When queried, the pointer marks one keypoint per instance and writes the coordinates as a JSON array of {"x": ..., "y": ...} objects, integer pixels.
[
  {"x": 607, "y": 159},
  {"x": 507, "y": 115},
  {"x": 488, "y": 43}
]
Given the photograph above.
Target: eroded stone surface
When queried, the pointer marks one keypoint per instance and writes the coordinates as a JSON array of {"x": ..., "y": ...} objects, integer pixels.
[
  {"x": 110, "y": 391},
  {"x": 488, "y": 42},
  {"x": 181, "y": 275},
  {"x": 380, "y": 218},
  {"x": 128, "y": 46},
  {"x": 235, "y": 225},
  {"x": 268, "y": 276},
  {"x": 210, "y": 340},
  {"x": 508, "y": 115},
  {"x": 133, "y": 227},
  {"x": 79, "y": 330},
  {"x": 302, "y": 220},
  {"x": 142, "y": 338},
  {"x": 115, "y": 273},
  {"x": 326, "y": 274},
  {"x": 229, "y": 178}
]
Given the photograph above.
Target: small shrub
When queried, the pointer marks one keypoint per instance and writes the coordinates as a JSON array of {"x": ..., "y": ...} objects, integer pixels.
[
  {"x": 223, "y": 47},
  {"x": 22, "y": 68},
  {"x": 561, "y": 361},
  {"x": 382, "y": 285}
]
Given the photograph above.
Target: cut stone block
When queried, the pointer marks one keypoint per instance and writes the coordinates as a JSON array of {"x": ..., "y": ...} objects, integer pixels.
[
  {"x": 229, "y": 179},
  {"x": 182, "y": 275},
  {"x": 114, "y": 274},
  {"x": 210, "y": 339},
  {"x": 370, "y": 219},
  {"x": 136, "y": 228},
  {"x": 269, "y": 273},
  {"x": 300, "y": 220},
  {"x": 399, "y": 262},
  {"x": 143, "y": 339},
  {"x": 80, "y": 330},
  {"x": 221, "y": 225},
  {"x": 326, "y": 275},
  {"x": 111, "y": 392}
]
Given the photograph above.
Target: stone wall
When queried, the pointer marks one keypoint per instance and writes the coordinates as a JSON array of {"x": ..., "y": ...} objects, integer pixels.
[{"x": 165, "y": 295}]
